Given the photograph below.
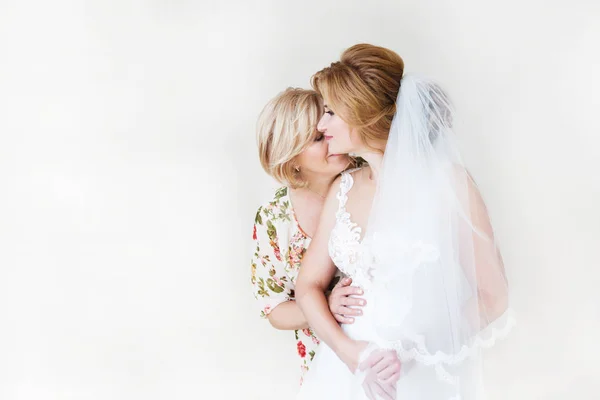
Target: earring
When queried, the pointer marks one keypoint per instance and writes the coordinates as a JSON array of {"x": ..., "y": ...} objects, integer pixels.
[{"x": 297, "y": 169}]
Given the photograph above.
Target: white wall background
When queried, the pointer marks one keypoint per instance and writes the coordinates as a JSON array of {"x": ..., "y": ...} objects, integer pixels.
[{"x": 129, "y": 180}]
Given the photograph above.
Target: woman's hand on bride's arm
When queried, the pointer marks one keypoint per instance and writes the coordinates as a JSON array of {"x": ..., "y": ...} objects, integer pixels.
[{"x": 342, "y": 305}]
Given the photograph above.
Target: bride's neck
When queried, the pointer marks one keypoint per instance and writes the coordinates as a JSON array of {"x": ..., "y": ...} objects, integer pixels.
[{"x": 375, "y": 160}]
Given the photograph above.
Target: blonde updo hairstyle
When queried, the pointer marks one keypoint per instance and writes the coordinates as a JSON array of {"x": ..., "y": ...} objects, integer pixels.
[
  {"x": 286, "y": 126},
  {"x": 362, "y": 88}
]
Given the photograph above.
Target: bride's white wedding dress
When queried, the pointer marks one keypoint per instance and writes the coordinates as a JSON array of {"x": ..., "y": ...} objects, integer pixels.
[
  {"x": 329, "y": 378},
  {"x": 432, "y": 275}
]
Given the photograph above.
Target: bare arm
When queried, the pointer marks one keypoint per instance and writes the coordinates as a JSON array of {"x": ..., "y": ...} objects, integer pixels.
[
  {"x": 315, "y": 274},
  {"x": 481, "y": 253},
  {"x": 491, "y": 279},
  {"x": 287, "y": 316},
  {"x": 272, "y": 287}
]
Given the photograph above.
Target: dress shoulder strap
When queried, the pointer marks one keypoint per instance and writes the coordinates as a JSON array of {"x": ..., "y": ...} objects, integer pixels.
[{"x": 346, "y": 184}]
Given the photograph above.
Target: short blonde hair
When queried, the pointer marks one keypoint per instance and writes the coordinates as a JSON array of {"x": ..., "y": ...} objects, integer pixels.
[
  {"x": 286, "y": 126},
  {"x": 362, "y": 88}
]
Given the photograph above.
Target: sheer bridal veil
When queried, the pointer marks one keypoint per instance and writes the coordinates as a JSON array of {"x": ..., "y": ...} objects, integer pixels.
[{"x": 439, "y": 279}]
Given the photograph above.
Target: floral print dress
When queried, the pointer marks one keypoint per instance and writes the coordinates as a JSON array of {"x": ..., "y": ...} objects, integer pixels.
[{"x": 280, "y": 244}]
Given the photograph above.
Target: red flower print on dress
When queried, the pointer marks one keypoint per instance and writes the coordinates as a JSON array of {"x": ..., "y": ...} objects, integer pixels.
[
  {"x": 276, "y": 250},
  {"x": 273, "y": 241},
  {"x": 294, "y": 256},
  {"x": 278, "y": 281},
  {"x": 301, "y": 349},
  {"x": 254, "y": 233}
]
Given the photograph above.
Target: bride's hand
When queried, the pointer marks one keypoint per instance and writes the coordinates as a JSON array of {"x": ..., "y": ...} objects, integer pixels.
[
  {"x": 361, "y": 356},
  {"x": 384, "y": 363},
  {"x": 379, "y": 371}
]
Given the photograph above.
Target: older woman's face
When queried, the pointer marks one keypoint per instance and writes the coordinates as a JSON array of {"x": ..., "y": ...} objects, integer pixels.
[{"x": 317, "y": 159}]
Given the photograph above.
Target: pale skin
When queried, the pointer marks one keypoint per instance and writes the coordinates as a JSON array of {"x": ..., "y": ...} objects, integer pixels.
[
  {"x": 318, "y": 167},
  {"x": 318, "y": 268}
]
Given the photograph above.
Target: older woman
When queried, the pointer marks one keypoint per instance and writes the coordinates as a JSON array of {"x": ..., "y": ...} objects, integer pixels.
[{"x": 293, "y": 152}]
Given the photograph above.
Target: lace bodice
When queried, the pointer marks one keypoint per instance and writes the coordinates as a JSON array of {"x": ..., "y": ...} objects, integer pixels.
[{"x": 348, "y": 251}]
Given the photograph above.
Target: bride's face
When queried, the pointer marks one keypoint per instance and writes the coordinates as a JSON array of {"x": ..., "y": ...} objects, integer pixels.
[{"x": 340, "y": 137}]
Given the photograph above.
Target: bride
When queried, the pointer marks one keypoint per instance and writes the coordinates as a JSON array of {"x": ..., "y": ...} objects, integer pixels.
[{"x": 412, "y": 230}]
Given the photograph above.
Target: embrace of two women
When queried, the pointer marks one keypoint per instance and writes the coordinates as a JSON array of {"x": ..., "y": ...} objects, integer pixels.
[{"x": 377, "y": 251}]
